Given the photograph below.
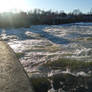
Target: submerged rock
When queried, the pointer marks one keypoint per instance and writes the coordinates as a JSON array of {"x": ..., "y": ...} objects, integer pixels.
[
  {"x": 63, "y": 82},
  {"x": 13, "y": 78},
  {"x": 32, "y": 35}
]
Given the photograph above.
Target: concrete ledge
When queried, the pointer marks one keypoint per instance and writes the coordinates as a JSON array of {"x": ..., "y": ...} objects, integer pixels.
[{"x": 13, "y": 77}]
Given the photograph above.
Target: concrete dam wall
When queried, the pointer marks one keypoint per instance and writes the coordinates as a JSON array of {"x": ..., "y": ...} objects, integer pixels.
[{"x": 13, "y": 77}]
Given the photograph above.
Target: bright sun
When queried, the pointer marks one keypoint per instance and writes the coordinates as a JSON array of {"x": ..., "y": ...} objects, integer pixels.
[{"x": 9, "y": 5}]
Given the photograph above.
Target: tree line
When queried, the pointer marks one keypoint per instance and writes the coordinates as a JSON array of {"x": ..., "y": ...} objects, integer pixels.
[{"x": 37, "y": 17}]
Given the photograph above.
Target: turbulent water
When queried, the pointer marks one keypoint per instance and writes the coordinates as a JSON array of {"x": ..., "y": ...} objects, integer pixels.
[{"x": 41, "y": 43}]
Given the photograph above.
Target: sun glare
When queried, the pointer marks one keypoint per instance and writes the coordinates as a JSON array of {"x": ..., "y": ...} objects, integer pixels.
[{"x": 9, "y": 5}]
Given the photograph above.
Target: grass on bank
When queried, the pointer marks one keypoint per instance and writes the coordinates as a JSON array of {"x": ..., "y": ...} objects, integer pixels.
[
  {"x": 20, "y": 54},
  {"x": 67, "y": 62},
  {"x": 84, "y": 39}
]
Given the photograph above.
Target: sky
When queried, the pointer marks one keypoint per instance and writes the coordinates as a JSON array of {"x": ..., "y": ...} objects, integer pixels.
[{"x": 66, "y": 5}]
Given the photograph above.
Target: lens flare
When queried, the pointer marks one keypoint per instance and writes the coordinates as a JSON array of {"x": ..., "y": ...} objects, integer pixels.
[{"x": 9, "y": 5}]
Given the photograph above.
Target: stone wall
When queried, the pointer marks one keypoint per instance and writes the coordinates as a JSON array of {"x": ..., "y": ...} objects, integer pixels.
[{"x": 13, "y": 77}]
